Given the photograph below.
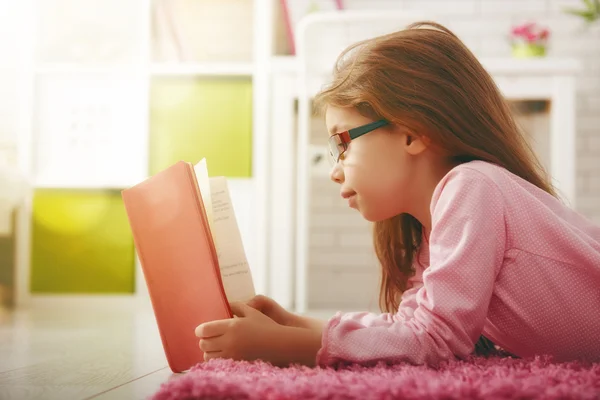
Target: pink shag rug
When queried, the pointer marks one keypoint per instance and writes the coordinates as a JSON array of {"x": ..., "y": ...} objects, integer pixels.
[{"x": 476, "y": 378}]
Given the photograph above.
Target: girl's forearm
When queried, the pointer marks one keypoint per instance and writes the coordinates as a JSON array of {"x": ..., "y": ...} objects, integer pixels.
[
  {"x": 299, "y": 341},
  {"x": 298, "y": 345}
]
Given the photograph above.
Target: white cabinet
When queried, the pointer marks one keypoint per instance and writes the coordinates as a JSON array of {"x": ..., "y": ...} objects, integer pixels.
[
  {"x": 545, "y": 79},
  {"x": 87, "y": 73}
]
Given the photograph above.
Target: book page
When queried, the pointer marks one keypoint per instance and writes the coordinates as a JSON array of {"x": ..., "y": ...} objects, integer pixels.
[
  {"x": 201, "y": 171},
  {"x": 235, "y": 271}
]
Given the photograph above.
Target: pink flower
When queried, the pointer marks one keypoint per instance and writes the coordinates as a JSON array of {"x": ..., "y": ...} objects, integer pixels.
[
  {"x": 529, "y": 32},
  {"x": 517, "y": 31},
  {"x": 530, "y": 37}
]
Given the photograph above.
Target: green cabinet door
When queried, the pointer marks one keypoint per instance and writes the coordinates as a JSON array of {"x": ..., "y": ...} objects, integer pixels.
[
  {"x": 192, "y": 118},
  {"x": 81, "y": 243}
]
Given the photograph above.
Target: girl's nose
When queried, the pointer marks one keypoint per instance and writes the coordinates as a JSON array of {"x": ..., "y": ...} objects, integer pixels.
[{"x": 337, "y": 173}]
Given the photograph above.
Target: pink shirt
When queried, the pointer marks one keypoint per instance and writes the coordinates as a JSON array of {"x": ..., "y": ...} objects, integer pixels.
[{"x": 505, "y": 259}]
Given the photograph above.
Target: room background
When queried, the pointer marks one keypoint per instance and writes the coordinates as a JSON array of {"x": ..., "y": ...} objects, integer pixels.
[{"x": 97, "y": 95}]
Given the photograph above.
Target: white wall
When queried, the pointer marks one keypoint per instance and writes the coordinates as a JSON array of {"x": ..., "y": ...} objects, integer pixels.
[
  {"x": 341, "y": 253},
  {"x": 9, "y": 62}
]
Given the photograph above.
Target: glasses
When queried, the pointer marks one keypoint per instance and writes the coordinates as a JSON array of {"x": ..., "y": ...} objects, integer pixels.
[{"x": 338, "y": 143}]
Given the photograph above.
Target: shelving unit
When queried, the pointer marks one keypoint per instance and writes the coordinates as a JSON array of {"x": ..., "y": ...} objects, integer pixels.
[
  {"x": 86, "y": 142},
  {"x": 102, "y": 125}
]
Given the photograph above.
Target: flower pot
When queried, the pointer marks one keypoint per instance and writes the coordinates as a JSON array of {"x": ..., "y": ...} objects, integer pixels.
[{"x": 528, "y": 50}]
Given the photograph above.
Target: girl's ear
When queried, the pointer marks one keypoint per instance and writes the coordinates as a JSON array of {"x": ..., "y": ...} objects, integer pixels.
[
  {"x": 416, "y": 144},
  {"x": 410, "y": 141}
]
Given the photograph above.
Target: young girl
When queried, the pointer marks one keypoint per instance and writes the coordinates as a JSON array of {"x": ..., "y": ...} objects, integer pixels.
[{"x": 475, "y": 248}]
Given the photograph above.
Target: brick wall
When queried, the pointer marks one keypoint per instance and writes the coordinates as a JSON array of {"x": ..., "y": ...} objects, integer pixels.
[{"x": 343, "y": 272}]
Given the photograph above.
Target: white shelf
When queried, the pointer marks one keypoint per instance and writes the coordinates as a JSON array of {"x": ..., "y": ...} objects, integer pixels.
[
  {"x": 506, "y": 71},
  {"x": 48, "y": 183},
  {"x": 203, "y": 69},
  {"x": 78, "y": 69},
  {"x": 535, "y": 66},
  {"x": 89, "y": 185}
]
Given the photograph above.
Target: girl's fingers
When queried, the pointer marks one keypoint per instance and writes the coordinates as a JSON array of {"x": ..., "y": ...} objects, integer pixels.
[
  {"x": 211, "y": 355},
  {"x": 212, "y": 329},
  {"x": 210, "y": 345},
  {"x": 259, "y": 302}
]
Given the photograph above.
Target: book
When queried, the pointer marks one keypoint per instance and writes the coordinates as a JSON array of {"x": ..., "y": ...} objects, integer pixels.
[{"x": 191, "y": 253}]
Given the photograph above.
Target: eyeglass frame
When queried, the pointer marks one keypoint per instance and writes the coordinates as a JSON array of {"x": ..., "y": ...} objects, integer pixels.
[{"x": 347, "y": 136}]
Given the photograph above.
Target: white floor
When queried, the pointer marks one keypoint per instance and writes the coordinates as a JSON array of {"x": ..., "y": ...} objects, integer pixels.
[{"x": 82, "y": 348}]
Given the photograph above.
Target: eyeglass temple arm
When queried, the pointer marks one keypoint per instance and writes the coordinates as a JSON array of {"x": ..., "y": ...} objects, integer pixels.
[{"x": 361, "y": 130}]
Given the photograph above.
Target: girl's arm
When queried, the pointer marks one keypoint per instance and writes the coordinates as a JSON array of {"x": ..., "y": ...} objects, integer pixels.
[
  {"x": 299, "y": 345},
  {"x": 408, "y": 301},
  {"x": 467, "y": 245}
]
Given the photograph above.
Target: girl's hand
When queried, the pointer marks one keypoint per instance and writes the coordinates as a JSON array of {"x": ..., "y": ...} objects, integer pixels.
[
  {"x": 248, "y": 337},
  {"x": 254, "y": 335}
]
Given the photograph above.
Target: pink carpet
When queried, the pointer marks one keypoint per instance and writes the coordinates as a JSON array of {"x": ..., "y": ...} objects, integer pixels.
[{"x": 477, "y": 378}]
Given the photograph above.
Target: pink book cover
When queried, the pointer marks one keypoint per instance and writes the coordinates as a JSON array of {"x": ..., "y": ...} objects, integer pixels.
[{"x": 178, "y": 258}]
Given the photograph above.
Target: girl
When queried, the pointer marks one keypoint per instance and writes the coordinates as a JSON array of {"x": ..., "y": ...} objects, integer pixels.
[{"x": 473, "y": 243}]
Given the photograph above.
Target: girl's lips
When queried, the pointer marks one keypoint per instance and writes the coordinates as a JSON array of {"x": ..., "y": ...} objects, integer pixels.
[
  {"x": 350, "y": 196},
  {"x": 352, "y": 201}
]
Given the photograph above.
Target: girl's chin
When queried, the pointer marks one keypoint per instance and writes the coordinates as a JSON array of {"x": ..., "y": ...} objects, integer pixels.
[
  {"x": 373, "y": 215},
  {"x": 369, "y": 216}
]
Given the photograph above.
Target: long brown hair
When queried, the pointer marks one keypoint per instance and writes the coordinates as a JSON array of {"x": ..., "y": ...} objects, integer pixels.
[{"x": 426, "y": 79}]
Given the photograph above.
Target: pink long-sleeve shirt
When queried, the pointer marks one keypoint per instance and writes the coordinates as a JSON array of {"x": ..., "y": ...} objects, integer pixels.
[{"x": 505, "y": 259}]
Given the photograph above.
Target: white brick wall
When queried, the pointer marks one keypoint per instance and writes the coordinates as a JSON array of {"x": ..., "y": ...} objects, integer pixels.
[
  {"x": 495, "y": 8},
  {"x": 343, "y": 272}
]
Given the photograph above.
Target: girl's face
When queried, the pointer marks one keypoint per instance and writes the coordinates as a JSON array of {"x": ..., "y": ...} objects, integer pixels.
[{"x": 379, "y": 172}]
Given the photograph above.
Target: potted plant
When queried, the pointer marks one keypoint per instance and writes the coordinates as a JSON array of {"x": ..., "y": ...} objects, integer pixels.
[
  {"x": 529, "y": 40},
  {"x": 590, "y": 13}
]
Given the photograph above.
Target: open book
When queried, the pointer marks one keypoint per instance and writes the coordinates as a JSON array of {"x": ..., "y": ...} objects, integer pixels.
[{"x": 191, "y": 252}]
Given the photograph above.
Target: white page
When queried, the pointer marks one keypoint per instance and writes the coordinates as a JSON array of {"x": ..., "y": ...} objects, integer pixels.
[
  {"x": 235, "y": 271},
  {"x": 201, "y": 171}
]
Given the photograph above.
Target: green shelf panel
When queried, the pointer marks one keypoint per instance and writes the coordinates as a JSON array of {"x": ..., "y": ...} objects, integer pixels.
[
  {"x": 193, "y": 118},
  {"x": 81, "y": 243}
]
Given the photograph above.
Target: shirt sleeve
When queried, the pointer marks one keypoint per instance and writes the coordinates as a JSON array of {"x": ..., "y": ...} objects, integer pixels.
[
  {"x": 408, "y": 301},
  {"x": 467, "y": 244}
]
